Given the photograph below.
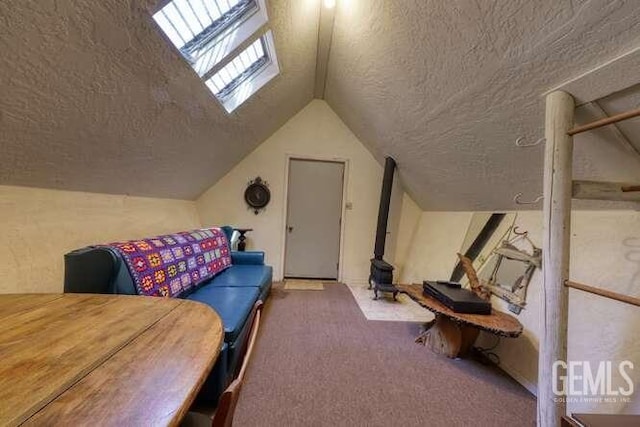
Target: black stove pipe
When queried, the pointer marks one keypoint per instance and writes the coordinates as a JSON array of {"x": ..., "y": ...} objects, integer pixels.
[{"x": 383, "y": 211}]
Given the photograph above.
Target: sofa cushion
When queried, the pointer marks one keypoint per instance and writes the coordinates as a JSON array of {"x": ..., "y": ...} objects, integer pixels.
[
  {"x": 233, "y": 305},
  {"x": 244, "y": 276},
  {"x": 249, "y": 257}
]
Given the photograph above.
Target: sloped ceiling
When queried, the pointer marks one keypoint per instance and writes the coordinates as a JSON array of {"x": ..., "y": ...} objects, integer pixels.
[
  {"x": 446, "y": 88},
  {"x": 92, "y": 98}
]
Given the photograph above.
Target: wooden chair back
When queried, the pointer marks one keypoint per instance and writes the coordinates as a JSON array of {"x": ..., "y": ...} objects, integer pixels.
[{"x": 223, "y": 416}]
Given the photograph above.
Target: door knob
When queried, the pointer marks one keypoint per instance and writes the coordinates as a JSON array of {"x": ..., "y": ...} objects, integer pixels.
[{"x": 290, "y": 228}]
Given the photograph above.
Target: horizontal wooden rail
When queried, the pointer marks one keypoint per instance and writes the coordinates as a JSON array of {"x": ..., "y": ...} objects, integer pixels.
[
  {"x": 598, "y": 190},
  {"x": 603, "y": 293},
  {"x": 604, "y": 122}
]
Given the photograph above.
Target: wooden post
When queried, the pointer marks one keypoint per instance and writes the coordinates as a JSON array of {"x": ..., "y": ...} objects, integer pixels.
[{"x": 556, "y": 234}]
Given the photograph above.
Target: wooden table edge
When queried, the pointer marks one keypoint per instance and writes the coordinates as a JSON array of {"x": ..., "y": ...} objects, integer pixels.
[
  {"x": 196, "y": 388},
  {"x": 53, "y": 297}
]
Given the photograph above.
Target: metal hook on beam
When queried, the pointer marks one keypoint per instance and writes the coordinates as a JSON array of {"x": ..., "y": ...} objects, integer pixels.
[
  {"x": 517, "y": 232},
  {"x": 517, "y": 200},
  {"x": 520, "y": 142}
]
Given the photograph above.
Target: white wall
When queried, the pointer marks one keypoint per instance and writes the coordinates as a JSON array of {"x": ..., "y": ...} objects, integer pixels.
[
  {"x": 438, "y": 238},
  {"x": 408, "y": 223},
  {"x": 315, "y": 132},
  {"x": 39, "y": 226},
  {"x": 605, "y": 252}
]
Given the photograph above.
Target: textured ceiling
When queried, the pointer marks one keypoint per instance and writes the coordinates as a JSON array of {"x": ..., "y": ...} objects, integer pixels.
[
  {"x": 446, "y": 88},
  {"x": 93, "y": 98}
]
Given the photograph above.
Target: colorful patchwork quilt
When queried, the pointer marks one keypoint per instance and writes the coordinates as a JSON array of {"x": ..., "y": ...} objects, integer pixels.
[{"x": 175, "y": 263}]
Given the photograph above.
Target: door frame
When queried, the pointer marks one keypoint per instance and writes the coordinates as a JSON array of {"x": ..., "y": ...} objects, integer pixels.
[{"x": 285, "y": 203}]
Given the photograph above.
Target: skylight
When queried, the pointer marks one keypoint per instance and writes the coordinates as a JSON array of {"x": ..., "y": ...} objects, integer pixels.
[
  {"x": 195, "y": 27},
  {"x": 187, "y": 21},
  {"x": 248, "y": 62},
  {"x": 209, "y": 34},
  {"x": 245, "y": 74}
]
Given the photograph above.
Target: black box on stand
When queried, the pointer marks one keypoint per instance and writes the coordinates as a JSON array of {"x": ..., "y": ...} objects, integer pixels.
[{"x": 456, "y": 298}]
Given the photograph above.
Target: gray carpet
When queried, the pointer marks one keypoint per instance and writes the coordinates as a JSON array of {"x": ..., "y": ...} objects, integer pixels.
[{"x": 319, "y": 362}]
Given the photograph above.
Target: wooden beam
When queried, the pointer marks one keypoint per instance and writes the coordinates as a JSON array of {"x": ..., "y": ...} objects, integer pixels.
[
  {"x": 630, "y": 188},
  {"x": 558, "y": 167},
  {"x": 604, "y": 293},
  {"x": 610, "y": 77},
  {"x": 604, "y": 122},
  {"x": 613, "y": 191},
  {"x": 325, "y": 35}
]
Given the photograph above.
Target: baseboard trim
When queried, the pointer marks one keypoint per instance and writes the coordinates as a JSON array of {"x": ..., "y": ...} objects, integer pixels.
[{"x": 524, "y": 382}]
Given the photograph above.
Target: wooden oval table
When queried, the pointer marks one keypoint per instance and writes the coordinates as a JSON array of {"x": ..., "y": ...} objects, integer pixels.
[
  {"x": 453, "y": 334},
  {"x": 82, "y": 359}
]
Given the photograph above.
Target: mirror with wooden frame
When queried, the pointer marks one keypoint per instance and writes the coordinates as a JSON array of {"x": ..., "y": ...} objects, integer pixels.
[{"x": 504, "y": 258}]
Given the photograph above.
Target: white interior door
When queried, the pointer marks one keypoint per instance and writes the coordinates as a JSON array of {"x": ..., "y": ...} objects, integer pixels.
[{"x": 314, "y": 215}]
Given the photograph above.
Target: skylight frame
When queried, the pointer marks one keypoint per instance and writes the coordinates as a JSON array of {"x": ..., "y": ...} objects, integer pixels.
[
  {"x": 208, "y": 52},
  {"x": 234, "y": 94},
  {"x": 204, "y": 39},
  {"x": 239, "y": 13},
  {"x": 247, "y": 73}
]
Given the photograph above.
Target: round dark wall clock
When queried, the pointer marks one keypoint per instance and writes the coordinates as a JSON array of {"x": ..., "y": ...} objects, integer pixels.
[{"x": 257, "y": 195}]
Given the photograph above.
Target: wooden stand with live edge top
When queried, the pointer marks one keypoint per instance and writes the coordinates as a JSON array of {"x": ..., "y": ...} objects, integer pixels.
[{"x": 453, "y": 334}]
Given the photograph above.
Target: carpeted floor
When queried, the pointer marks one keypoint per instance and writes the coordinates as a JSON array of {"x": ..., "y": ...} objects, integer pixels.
[{"x": 319, "y": 362}]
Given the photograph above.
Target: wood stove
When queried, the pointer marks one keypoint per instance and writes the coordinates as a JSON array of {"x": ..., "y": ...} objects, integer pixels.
[{"x": 381, "y": 273}]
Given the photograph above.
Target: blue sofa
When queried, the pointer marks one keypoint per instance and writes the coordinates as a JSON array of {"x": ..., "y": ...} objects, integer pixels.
[{"x": 232, "y": 293}]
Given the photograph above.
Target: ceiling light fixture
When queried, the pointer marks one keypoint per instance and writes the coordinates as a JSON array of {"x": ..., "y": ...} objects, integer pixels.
[{"x": 329, "y": 4}]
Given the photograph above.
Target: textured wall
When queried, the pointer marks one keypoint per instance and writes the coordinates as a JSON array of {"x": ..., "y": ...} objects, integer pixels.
[
  {"x": 605, "y": 252},
  {"x": 316, "y": 131},
  {"x": 95, "y": 99},
  {"x": 446, "y": 87},
  {"x": 40, "y": 226}
]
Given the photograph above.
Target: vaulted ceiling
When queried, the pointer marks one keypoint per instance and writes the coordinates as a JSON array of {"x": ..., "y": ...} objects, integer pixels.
[
  {"x": 93, "y": 99},
  {"x": 446, "y": 88}
]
